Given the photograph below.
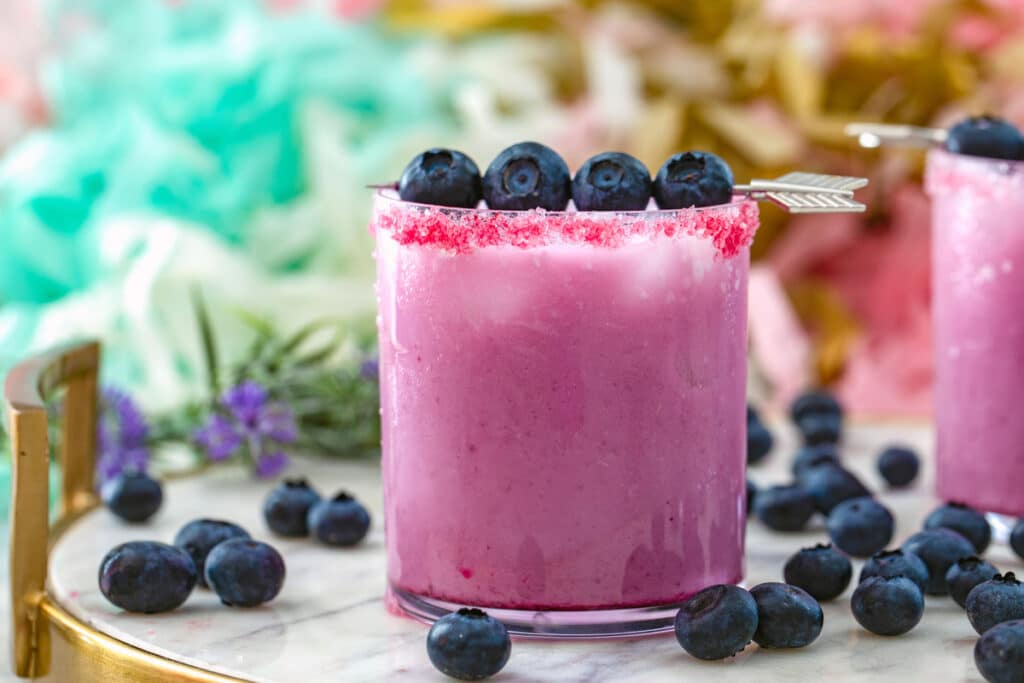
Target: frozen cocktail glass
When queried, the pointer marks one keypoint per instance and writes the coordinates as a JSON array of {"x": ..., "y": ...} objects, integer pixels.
[
  {"x": 563, "y": 410},
  {"x": 978, "y": 291}
]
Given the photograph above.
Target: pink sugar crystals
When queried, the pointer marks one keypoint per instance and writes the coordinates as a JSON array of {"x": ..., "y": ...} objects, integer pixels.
[{"x": 730, "y": 227}]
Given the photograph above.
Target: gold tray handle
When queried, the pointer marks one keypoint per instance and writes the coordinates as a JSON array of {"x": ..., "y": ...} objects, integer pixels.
[{"x": 74, "y": 367}]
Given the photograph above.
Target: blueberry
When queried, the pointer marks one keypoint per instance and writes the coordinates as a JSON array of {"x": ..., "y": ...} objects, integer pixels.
[
  {"x": 820, "y": 428},
  {"x": 693, "y": 179},
  {"x": 442, "y": 177},
  {"x": 469, "y": 645},
  {"x": 830, "y": 485},
  {"x": 786, "y": 616},
  {"x": 938, "y": 549},
  {"x": 887, "y": 606},
  {"x": 199, "y": 537},
  {"x": 890, "y": 563},
  {"x": 244, "y": 573},
  {"x": 525, "y": 176},
  {"x": 612, "y": 181},
  {"x": 751, "y": 496},
  {"x": 759, "y": 442},
  {"x": 965, "y": 574},
  {"x": 822, "y": 571},
  {"x": 992, "y": 602},
  {"x": 986, "y": 136},
  {"x": 966, "y": 521},
  {"x": 999, "y": 653},
  {"x": 814, "y": 402},
  {"x": 1017, "y": 538},
  {"x": 717, "y": 622},
  {"x": 784, "y": 508},
  {"x": 860, "y": 526},
  {"x": 812, "y": 456},
  {"x": 132, "y": 496},
  {"x": 752, "y": 414},
  {"x": 287, "y": 507},
  {"x": 147, "y": 577},
  {"x": 341, "y": 520},
  {"x": 898, "y": 466}
]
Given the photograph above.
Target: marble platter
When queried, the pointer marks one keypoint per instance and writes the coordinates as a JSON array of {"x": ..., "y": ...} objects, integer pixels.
[{"x": 330, "y": 624}]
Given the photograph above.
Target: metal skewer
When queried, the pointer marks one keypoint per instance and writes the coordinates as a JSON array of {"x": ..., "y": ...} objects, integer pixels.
[
  {"x": 795, "y": 192},
  {"x": 873, "y": 135},
  {"x": 799, "y": 192}
]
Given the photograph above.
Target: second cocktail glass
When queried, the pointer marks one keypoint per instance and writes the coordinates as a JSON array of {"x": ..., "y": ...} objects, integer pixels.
[{"x": 978, "y": 292}]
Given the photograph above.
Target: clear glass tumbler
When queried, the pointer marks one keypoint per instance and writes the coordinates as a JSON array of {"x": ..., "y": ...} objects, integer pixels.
[
  {"x": 978, "y": 293},
  {"x": 563, "y": 410}
]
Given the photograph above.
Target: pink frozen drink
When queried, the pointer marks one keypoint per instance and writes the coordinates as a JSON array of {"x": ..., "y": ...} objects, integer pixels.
[
  {"x": 563, "y": 406},
  {"x": 978, "y": 289}
]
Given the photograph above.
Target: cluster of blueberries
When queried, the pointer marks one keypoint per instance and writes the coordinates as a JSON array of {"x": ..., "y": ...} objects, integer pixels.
[
  {"x": 857, "y": 523},
  {"x": 151, "y": 577},
  {"x": 942, "y": 559},
  {"x": 529, "y": 175},
  {"x": 295, "y": 509},
  {"x": 720, "y": 621}
]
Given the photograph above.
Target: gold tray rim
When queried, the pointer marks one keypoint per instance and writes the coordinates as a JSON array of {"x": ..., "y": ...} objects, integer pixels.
[{"x": 47, "y": 641}]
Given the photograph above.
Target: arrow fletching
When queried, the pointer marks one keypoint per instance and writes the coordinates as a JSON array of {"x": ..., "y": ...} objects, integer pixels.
[{"x": 800, "y": 192}]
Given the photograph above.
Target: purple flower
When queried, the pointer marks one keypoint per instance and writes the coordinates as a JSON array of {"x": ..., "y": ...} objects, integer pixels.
[
  {"x": 219, "y": 438},
  {"x": 278, "y": 423},
  {"x": 248, "y": 422},
  {"x": 271, "y": 464},
  {"x": 370, "y": 369},
  {"x": 121, "y": 432},
  {"x": 246, "y": 401}
]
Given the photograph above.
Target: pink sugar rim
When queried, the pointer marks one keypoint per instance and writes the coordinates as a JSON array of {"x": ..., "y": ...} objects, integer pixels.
[
  {"x": 730, "y": 227},
  {"x": 950, "y": 173}
]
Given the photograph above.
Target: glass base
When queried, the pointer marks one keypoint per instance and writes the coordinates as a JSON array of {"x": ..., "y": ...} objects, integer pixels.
[
  {"x": 1001, "y": 525},
  {"x": 551, "y": 624}
]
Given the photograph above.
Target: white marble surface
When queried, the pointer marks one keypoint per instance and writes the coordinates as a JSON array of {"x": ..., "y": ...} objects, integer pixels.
[{"x": 329, "y": 623}]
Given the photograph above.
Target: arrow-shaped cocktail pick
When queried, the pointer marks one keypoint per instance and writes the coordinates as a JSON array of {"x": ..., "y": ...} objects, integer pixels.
[
  {"x": 795, "y": 192},
  {"x": 873, "y": 135},
  {"x": 808, "y": 192}
]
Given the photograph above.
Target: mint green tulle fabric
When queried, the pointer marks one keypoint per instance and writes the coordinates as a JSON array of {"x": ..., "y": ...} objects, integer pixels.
[
  {"x": 203, "y": 141},
  {"x": 194, "y": 112}
]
